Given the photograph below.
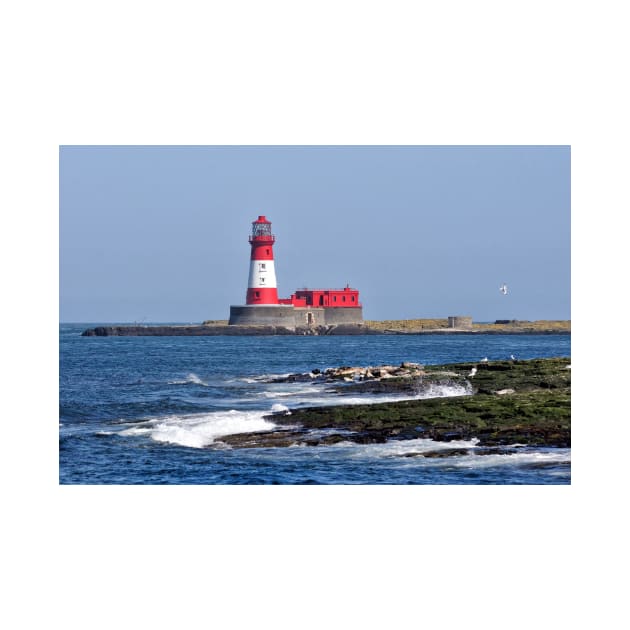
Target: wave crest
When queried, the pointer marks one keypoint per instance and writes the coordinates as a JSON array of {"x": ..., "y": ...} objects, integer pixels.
[{"x": 200, "y": 430}]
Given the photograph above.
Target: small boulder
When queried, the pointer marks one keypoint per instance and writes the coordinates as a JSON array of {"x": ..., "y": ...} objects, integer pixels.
[{"x": 446, "y": 452}]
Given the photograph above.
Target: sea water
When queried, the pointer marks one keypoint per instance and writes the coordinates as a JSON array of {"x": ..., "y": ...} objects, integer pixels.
[{"x": 152, "y": 410}]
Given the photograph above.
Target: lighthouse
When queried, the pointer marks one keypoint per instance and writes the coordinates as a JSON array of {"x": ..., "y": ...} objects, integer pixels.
[
  {"x": 262, "y": 287},
  {"x": 306, "y": 309}
]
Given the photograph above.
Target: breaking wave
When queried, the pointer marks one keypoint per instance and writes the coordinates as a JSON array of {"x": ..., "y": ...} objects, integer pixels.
[
  {"x": 435, "y": 391},
  {"x": 199, "y": 430}
]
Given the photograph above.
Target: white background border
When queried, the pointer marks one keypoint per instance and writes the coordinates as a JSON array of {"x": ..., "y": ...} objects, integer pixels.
[{"x": 322, "y": 73}]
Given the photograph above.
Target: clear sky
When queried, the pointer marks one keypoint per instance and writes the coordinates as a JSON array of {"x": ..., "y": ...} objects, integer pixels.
[{"x": 160, "y": 233}]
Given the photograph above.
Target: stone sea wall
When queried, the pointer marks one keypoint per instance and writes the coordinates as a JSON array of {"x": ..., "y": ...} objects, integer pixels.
[{"x": 290, "y": 316}]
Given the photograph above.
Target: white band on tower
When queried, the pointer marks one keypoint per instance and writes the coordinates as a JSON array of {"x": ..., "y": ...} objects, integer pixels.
[{"x": 262, "y": 275}]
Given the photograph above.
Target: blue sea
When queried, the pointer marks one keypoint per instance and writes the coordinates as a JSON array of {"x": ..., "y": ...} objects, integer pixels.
[{"x": 152, "y": 410}]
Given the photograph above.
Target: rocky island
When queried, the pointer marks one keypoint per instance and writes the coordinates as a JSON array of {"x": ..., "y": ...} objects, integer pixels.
[
  {"x": 504, "y": 403},
  {"x": 386, "y": 327}
]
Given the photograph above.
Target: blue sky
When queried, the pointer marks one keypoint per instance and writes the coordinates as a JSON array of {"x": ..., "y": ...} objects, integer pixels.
[{"x": 159, "y": 233}]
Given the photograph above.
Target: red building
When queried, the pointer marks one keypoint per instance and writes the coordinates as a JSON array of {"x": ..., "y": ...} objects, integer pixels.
[{"x": 326, "y": 298}]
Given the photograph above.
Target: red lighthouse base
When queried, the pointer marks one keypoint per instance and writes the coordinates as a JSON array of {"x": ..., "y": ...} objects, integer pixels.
[{"x": 262, "y": 295}]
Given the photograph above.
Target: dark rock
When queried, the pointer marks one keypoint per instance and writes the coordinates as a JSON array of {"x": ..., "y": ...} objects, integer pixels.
[
  {"x": 183, "y": 331},
  {"x": 494, "y": 451},
  {"x": 446, "y": 452}
]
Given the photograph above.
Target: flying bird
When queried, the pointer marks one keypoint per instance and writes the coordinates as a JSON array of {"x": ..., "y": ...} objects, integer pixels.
[
  {"x": 512, "y": 357},
  {"x": 503, "y": 289}
]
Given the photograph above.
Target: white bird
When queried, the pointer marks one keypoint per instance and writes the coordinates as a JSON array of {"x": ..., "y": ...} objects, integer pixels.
[
  {"x": 512, "y": 357},
  {"x": 473, "y": 371},
  {"x": 503, "y": 289},
  {"x": 484, "y": 360}
]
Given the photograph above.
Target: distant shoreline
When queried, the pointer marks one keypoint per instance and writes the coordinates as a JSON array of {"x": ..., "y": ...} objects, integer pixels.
[{"x": 370, "y": 327}]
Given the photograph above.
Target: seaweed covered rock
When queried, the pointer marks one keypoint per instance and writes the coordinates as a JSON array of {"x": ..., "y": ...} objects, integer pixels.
[{"x": 515, "y": 402}]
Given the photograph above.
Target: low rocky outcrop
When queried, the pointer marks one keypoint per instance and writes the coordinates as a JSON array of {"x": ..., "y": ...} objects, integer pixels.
[
  {"x": 406, "y": 378},
  {"x": 536, "y": 412},
  {"x": 204, "y": 330},
  {"x": 181, "y": 331},
  {"x": 400, "y": 327},
  {"x": 354, "y": 374}
]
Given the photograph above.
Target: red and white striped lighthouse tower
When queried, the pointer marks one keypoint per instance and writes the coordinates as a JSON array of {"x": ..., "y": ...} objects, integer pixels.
[{"x": 262, "y": 288}]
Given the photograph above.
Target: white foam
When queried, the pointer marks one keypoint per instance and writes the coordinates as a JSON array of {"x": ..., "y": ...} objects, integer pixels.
[
  {"x": 558, "y": 456},
  {"x": 435, "y": 391},
  {"x": 190, "y": 378},
  {"x": 288, "y": 393},
  {"x": 445, "y": 391},
  {"x": 199, "y": 430},
  {"x": 316, "y": 396},
  {"x": 278, "y": 394},
  {"x": 403, "y": 448}
]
